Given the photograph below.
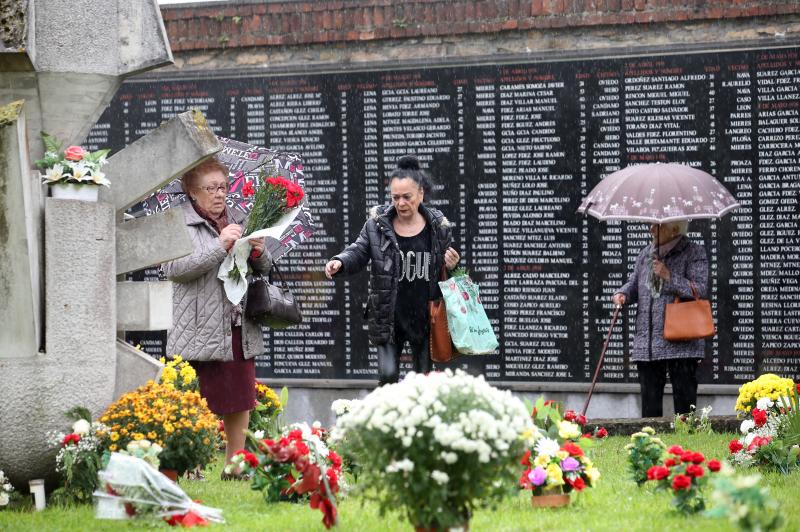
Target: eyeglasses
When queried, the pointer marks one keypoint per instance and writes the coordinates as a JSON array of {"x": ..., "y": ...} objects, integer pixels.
[{"x": 213, "y": 189}]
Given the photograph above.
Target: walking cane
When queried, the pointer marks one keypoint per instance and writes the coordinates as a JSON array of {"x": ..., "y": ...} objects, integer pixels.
[{"x": 600, "y": 362}]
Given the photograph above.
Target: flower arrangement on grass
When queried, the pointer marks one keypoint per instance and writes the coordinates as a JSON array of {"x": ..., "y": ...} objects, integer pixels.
[
  {"x": 436, "y": 446},
  {"x": 6, "y": 489},
  {"x": 692, "y": 422},
  {"x": 767, "y": 386},
  {"x": 179, "y": 422},
  {"x": 179, "y": 374},
  {"x": 78, "y": 459},
  {"x": 771, "y": 435},
  {"x": 644, "y": 451},
  {"x": 296, "y": 465},
  {"x": 746, "y": 504},
  {"x": 557, "y": 462},
  {"x": 72, "y": 165},
  {"x": 684, "y": 475}
]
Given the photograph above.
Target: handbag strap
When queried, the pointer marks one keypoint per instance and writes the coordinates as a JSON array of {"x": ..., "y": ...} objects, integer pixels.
[
  {"x": 280, "y": 275},
  {"x": 694, "y": 290}
]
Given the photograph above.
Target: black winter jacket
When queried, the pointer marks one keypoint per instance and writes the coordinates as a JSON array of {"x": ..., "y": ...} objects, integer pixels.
[{"x": 378, "y": 243}]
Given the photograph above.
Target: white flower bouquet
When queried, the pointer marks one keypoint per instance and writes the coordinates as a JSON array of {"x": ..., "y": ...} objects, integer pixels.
[
  {"x": 5, "y": 490},
  {"x": 72, "y": 165},
  {"x": 437, "y": 446}
]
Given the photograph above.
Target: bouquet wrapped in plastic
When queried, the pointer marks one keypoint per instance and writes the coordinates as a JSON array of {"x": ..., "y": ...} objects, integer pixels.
[{"x": 129, "y": 487}]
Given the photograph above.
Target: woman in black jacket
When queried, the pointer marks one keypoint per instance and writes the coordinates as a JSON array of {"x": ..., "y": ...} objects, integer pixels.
[{"x": 408, "y": 243}]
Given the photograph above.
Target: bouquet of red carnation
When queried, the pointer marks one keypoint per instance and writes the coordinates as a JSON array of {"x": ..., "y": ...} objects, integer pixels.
[
  {"x": 684, "y": 473},
  {"x": 296, "y": 465},
  {"x": 275, "y": 197}
]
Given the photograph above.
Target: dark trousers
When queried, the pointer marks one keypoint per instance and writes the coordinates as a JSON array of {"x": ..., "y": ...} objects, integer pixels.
[
  {"x": 653, "y": 377},
  {"x": 389, "y": 359}
]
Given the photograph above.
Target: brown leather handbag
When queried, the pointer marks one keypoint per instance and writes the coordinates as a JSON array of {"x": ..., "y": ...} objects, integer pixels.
[
  {"x": 439, "y": 343},
  {"x": 688, "y": 320}
]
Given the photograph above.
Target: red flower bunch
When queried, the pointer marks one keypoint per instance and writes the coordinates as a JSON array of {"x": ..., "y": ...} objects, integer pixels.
[
  {"x": 275, "y": 197},
  {"x": 70, "y": 438},
  {"x": 735, "y": 446},
  {"x": 248, "y": 189},
  {"x": 298, "y": 464},
  {"x": 758, "y": 441},
  {"x": 571, "y": 415},
  {"x": 759, "y": 417},
  {"x": 294, "y": 194},
  {"x": 685, "y": 475}
]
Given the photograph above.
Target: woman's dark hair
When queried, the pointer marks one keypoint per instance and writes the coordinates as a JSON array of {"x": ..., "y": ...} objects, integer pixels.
[{"x": 408, "y": 168}]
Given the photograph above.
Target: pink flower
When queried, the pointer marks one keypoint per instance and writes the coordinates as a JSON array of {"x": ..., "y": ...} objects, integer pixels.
[{"x": 74, "y": 153}]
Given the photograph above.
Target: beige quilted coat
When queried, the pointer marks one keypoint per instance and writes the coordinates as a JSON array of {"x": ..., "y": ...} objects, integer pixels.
[{"x": 200, "y": 311}]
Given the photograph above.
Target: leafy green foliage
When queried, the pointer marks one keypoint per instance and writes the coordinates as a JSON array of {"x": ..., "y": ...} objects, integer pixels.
[{"x": 745, "y": 502}]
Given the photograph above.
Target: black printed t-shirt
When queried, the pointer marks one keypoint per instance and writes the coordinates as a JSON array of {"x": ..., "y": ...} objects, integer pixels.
[{"x": 411, "y": 310}]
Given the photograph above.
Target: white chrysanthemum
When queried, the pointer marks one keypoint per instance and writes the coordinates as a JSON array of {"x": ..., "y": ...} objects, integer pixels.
[
  {"x": 405, "y": 465},
  {"x": 259, "y": 434},
  {"x": 747, "y": 425},
  {"x": 81, "y": 427},
  {"x": 764, "y": 403},
  {"x": 449, "y": 458},
  {"x": 341, "y": 406},
  {"x": 547, "y": 446},
  {"x": 440, "y": 477},
  {"x": 3, "y": 498}
]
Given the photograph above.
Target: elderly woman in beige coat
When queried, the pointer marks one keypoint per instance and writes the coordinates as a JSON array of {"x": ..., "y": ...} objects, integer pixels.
[{"x": 208, "y": 330}]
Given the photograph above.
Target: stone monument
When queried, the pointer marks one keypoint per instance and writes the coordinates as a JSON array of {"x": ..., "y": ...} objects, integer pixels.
[{"x": 64, "y": 305}]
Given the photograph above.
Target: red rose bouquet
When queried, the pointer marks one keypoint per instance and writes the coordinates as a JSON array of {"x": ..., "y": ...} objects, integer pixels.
[
  {"x": 296, "y": 465},
  {"x": 275, "y": 197},
  {"x": 684, "y": 473}
]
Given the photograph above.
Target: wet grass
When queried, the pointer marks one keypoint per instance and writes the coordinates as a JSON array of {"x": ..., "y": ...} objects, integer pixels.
[{"x": 615, "y": 504}]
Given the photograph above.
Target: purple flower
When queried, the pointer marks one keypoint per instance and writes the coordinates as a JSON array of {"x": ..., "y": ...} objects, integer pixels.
[
  {"x": 570, "y": 464},
  {"x": 537, "y": 476}
]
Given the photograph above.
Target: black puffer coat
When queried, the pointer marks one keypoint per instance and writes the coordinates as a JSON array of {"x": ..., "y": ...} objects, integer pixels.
[{"x": 378, "y": 243}]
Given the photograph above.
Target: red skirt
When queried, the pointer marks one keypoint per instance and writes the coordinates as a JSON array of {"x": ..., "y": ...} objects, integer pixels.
[{"x": 228, "y": 387}]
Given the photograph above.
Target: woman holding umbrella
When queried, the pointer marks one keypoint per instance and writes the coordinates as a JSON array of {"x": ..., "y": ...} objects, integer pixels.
[
  {"x": 665, "y": 196},
  {"x": 671, "y": 266}
]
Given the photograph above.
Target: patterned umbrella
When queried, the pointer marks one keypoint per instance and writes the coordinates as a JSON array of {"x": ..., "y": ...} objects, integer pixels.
[
  {"x": 245, "y": 162},
  {"x": 658, "y": 193}
]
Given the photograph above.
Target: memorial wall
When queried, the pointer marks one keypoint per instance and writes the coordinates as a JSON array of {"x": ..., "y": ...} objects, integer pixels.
[{"x": 514, "y": 148}]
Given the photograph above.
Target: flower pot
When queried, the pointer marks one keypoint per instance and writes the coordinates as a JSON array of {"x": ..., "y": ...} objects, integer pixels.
[
  {"x": 74, "y": 192},
  {"x": 553, "y": 500},
  {"x": 171, "y": 474}
]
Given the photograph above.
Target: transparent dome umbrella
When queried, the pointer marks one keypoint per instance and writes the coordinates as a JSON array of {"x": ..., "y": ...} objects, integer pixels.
[{"x": 654, "y": 193}]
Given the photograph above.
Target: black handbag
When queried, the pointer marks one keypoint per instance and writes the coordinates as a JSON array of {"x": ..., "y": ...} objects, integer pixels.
[{"x": 272, "y": 305}]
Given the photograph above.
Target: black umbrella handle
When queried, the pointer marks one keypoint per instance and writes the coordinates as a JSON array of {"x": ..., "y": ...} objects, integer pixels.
[{"x": 600, "y": 362}]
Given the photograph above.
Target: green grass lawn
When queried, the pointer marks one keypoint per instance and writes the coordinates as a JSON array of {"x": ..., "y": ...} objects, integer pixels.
[{"x": 615, "y": 504}]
